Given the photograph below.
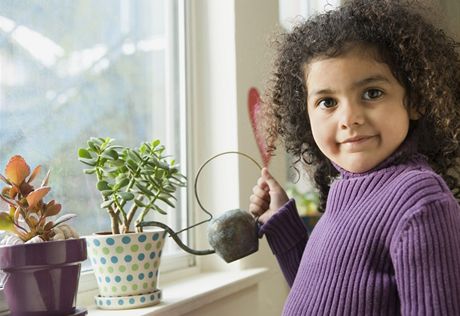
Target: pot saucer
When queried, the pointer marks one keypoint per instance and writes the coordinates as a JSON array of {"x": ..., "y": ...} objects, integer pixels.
[
  {"x": 79, "y": 312},
  {"x": 128, "y": 302}
]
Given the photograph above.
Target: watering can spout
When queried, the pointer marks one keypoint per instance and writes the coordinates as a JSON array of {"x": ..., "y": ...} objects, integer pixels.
[{"x": 233, "y": 235}]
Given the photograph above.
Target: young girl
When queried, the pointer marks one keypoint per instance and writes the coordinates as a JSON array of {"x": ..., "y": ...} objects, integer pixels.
[{"x": 368, "y": 98}]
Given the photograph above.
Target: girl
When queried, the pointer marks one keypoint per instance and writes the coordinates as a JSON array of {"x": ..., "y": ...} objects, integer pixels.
[{"x": 367, "y": 97}]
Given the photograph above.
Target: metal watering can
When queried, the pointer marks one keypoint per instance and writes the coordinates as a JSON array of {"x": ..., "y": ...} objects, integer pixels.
[{"x": 232, "y": 235}]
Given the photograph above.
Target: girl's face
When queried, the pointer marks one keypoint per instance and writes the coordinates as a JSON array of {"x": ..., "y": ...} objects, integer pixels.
[{"x": 356, "y": 109}]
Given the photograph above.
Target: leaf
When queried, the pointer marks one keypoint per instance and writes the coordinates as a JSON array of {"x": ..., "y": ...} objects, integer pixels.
[
  {"x": 121, "y": 184},
  {"x": 89, "y": 171},
  {"x": 90, "y": 162},
  {"x": 165, "y": 199},
  {"x": 110, "y": 154},
  {"x": 45, "y": 179},
  {"x": 64, "y": 218},
  {"x": 127, "y": 196},
  {"x": 17, "y": 170},
  {"x": 6, "y": 222},
  {"x": 106, "y": 204},
  {"x": 35, "y": 196},
  {"x": 159, "y": 210},
  {"x": 84, "y": 153},
  {"x": 34, "y": 174},
  {"x": 139, "y": 203},
  {"x": 103, "y": 185},
  {"x": 143, "y": 189},
  {"x": 52, "y": 208},
  {"x": 106, "y": 193}
]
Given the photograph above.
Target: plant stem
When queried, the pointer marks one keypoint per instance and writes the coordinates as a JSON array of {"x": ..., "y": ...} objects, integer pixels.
[{"x": 114, "y": 220}]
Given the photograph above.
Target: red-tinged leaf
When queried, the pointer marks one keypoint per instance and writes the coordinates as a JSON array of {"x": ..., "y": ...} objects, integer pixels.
[
  {"x": 52, "y": 209},
  {"x": 6, "y": 222},
  {"x": 34, "y": 174},
  {"x": 64, "y": 218},
  {"x": 17, "y": 170},
  {"x": 17, "y": 214},
  {"x": 49, "y": 226},
  {"x": 45, "y": 180},
  {"x": 36, "y": 196}
]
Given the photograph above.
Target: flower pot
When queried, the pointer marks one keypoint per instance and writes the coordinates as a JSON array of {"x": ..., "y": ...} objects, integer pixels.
[
  {"x": 42, "y": 278},
  {"x": 126, "y": 268}
]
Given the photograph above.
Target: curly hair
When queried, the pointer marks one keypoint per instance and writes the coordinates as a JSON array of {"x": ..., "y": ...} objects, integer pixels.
[{"x": 421, "y": 57}]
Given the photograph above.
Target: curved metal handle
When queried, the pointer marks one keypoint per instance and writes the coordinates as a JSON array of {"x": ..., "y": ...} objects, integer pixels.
[{"x": 179, "y": 242}]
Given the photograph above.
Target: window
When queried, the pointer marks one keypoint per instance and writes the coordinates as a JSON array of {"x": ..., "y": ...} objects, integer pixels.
[
  {"x": 70, "y": 70},
  {"x": 291, "y": 10}
]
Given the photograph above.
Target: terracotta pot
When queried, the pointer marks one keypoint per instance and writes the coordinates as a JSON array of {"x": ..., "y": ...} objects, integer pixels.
[{"x": 42, "y": 278}]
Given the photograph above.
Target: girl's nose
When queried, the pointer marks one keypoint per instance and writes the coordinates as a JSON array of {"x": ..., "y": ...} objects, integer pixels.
[{"x": 350, "y": 114}]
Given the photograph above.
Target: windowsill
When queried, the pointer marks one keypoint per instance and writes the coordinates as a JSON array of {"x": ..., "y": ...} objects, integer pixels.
[{"x": 190, "y": 293}]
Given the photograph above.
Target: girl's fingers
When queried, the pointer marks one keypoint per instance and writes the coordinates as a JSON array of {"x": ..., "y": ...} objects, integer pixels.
[{"x": 259, "y": 203}]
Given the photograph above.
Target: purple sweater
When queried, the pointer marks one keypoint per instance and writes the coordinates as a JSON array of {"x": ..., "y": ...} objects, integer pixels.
[{"x": 387, "y": 244}]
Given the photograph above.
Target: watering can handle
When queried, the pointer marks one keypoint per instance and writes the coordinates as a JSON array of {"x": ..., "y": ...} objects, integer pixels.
[{"x": 176, "y": 239}]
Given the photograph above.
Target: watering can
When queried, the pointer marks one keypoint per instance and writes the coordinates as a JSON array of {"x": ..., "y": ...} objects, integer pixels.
[{"x": 233, "y": 235}]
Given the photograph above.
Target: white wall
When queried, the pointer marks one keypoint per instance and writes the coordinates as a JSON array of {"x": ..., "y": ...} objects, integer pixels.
[{"x": 230, "y": 54}]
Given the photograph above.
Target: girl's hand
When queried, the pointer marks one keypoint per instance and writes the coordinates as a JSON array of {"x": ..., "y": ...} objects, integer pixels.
[{"x": 267, "y": 197}]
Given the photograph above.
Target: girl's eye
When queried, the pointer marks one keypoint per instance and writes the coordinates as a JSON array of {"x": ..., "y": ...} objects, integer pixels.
[
  {"x": 327, "y": 103},
  {"x": 372, "y": 94}
]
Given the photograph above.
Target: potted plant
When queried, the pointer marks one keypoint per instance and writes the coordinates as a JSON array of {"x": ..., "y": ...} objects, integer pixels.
[
  {"x": 132, "y": 182},
  {"x": 40, "y": 256}
]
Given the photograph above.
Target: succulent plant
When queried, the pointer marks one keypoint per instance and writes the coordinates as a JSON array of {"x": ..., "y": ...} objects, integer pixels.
[
  {"x": 28, "y": 217},
  {"x": 131, "y": 180}
]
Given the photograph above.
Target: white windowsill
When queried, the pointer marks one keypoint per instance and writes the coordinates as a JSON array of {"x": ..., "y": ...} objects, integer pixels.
[{"x": 190, "y": 293}]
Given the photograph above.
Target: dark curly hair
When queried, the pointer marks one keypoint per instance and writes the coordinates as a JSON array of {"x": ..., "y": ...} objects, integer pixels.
[{"x": 421, "y": 57}]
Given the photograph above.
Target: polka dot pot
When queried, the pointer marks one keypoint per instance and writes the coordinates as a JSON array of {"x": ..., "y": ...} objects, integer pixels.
[{"x": 126, "y": 266}]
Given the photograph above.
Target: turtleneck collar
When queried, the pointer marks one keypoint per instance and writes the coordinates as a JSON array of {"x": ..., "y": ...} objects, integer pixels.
[{"x": 406, "y": 152}]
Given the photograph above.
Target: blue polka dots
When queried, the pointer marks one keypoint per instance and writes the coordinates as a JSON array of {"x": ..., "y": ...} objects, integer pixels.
[
  {"x": 126, "y": 240},
  {"x": 121, "y": 302},
  {"x": 126, "y": 267}
]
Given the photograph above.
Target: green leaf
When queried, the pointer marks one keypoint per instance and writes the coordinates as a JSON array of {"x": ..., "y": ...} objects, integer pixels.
[
  {"x": 106, "y": 204},
  {"x": 144, "y": 189},
  {"x": 159, "y": 210},
  {"x": 127, "y": 196},
  {"x": 6, "y": 221},
  {"x": 124, "y": 182},
  {"x": 83, "y": 153},
  {"x": 90, "y": 162},
  {"x": 107, "y": 193},
  {"x": 110, "y": 154},
  {"x": 139, "y": 203},
  {"x": 165, "y": 199},
  {"x": 89, "y": 171},
  {"x": 155, "y": 143},
  {"x": 103, "y": 185}
]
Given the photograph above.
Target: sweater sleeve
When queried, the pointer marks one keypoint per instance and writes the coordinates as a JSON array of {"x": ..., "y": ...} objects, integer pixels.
[
  {"x": 287, "y": 237},
  {"x": 427, "y": 260}
]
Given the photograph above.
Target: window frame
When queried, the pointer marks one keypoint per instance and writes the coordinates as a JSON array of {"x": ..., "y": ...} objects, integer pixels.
[{"x": 181, "y": 263}]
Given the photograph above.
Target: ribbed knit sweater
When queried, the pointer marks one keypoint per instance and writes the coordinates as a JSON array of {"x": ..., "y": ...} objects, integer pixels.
[{"x": 388, "y": 243}]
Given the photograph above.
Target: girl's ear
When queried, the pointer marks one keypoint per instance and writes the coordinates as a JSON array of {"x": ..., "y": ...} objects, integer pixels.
[{"x": 415, "y": 114}]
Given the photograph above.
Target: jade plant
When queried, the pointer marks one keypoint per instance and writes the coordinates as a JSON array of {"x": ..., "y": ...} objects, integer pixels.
[
  {"x": 29, "y": 217},
  {"x": 131, "y": 180}
]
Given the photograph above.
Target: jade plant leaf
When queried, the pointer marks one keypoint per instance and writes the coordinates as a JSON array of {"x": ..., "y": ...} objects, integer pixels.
[
  {"x": 17, "y": 170},
  {"x": 6, "y": 221}
]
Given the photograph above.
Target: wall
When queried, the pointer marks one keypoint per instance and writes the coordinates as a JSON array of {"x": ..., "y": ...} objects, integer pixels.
[{"x": 230, "y": 54}]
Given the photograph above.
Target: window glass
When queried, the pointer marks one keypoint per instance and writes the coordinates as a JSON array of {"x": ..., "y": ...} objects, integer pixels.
[{"x": 72, "y": 69}]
